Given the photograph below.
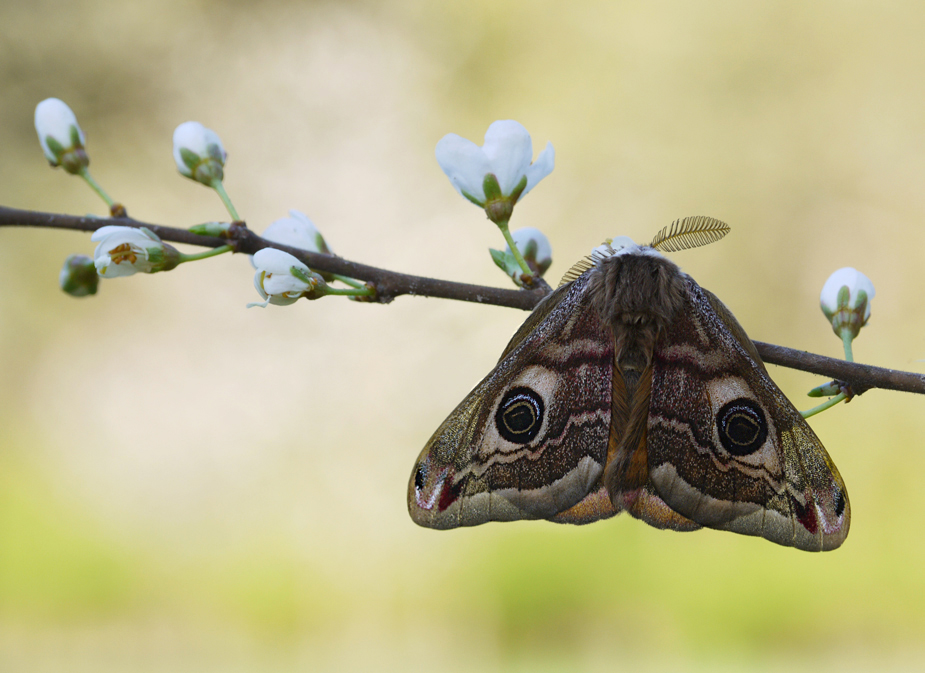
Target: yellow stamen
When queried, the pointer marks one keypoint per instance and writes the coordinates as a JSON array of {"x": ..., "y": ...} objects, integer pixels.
[{"x": 123, "y": 253}]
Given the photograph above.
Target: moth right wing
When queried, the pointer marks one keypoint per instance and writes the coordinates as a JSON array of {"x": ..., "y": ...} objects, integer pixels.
[
  {"x": 726, "y": 448},
  {"x": 530, "y": 441}
]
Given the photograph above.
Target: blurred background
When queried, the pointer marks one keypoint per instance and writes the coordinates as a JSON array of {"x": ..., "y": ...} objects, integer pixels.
[{"x": 187, "y": 485}]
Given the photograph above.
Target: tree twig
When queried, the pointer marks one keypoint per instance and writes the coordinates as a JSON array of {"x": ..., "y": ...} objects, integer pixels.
[{"x": 389, "y": 284}]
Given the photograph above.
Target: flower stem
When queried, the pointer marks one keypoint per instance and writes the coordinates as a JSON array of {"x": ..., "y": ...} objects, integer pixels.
[
  {"x": 349, "y": 281},
  {"x": 94, "y": 185},
  {"x": 846, "y": 339},
  {"x": 513, "y": 246},
  {"x": 825, "y": 405},
  {"x": 203, "y": 255},
  {"x": 220, "y": 188},
  {"x": 352, "y": 292}
]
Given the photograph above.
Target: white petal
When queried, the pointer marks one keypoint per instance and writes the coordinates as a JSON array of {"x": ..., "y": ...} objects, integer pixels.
[
  {"x": 258, "y": 284},
  {"x": 855, "y": 281},
  {"x": 113, "y": 236},
  {"x": 54, "y": 118},
  {"x": 103, "y": 232},
  {"x": 297, "y": 231},
  {"x": 541, "y": 167},
  {"x": 274, "y": 261},
  {"x": 509, "y": 151},
  {"x": 464, "y": 163},
  {"x": 283, "y": 300},
  {"x": 106, "y": 268},
  {"x": 283, "y": 283}
]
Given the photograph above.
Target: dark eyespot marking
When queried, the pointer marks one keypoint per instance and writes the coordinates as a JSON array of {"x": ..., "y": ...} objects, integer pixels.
[
  {"x": 419, "y": 477},
  {"x": 840, "y": 503},
  {"x": 520, "y": 415},
  {"x": 742, "y": 427}
]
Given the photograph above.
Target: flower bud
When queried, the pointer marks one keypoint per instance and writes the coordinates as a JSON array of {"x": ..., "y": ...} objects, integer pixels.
[
  {"x": 845, "y": 301},
  {"x": 123, "y": 251},
  {"x": 78, "y": 276},
  {"x": 282, "y": 279},
  {"x": 535, "y": 248},
  {"x": 198, "y": 153},
  {"x": 60, "y": 135},
  {"x": 297, "y": 231}
]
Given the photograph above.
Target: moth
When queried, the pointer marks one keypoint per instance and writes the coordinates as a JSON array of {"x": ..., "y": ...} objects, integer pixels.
[{"x": 631, "y": 388}]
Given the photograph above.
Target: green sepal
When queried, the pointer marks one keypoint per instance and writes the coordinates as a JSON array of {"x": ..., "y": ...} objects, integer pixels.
[
  {"x": 56, "y": 148},
  {"x": 311, "y": 278},
  {"x": 826, "y": 390},
  {"x": 844, "y": 296},
  {"x": 491, "y": 188},
  {"x": 215, "y": 153},
  {"x": 518, "y": 190},
  {"x": 164, "y": 257},
  {"x": 75, "y": 137},
  {"x": 529, "y": 252},
  {"x": 321, "y": 244},
  {"x": 506, "y": 261},
  {"x": 208, "y": 172},
  {"x": 219, "y": 229},
  {"x": 474, "y": 200},
  {"x": 190, "y": 158}
]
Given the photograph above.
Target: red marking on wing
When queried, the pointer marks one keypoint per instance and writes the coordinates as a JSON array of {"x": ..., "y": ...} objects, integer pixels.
[
  {"x": 806, "y": 515},
  {"x": 449, "y": 493}
]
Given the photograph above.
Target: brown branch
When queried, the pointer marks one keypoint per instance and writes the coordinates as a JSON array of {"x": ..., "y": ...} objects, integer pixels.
[
  {"x": 860, "y": 377},
  {"x": 389, "y": 284}
]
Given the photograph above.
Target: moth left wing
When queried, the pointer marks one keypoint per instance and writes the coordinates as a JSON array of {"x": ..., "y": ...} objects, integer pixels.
[
  {"x": 530, "y": 441},
  {"x": 726, "y": 448}
]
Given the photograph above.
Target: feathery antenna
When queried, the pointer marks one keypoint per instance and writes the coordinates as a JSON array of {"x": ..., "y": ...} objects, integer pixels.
[{"x": 691, "y": 232}]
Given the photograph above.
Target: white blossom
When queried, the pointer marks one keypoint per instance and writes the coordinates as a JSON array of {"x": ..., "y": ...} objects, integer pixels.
[
  {"x": 297, "y": 231},
  {"x": 280, "y": 278},
  {"x": 504, "y": 162},
  {"x": 198, "y": 152},
  {"x": 123, "y": 251},
  {"x": 60, "y": 135},
  {"x": 845, "y": 300}
]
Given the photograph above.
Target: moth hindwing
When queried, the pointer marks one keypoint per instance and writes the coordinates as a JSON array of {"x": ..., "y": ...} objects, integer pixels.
[{"x": 632, "y": 388}]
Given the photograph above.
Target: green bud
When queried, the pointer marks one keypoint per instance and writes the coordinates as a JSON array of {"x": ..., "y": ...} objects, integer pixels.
[{"x": 78, "y": 276}]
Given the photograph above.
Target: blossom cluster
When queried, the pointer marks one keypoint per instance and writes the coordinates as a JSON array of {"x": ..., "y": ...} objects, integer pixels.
[{"x": 493, "y": 176}]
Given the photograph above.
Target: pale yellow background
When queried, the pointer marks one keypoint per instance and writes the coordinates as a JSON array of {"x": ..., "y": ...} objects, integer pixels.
[{"x": 186, "y": 485}]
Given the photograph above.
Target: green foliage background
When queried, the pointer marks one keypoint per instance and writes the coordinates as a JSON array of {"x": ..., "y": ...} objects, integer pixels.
[{"x": 186, "y": 485}]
